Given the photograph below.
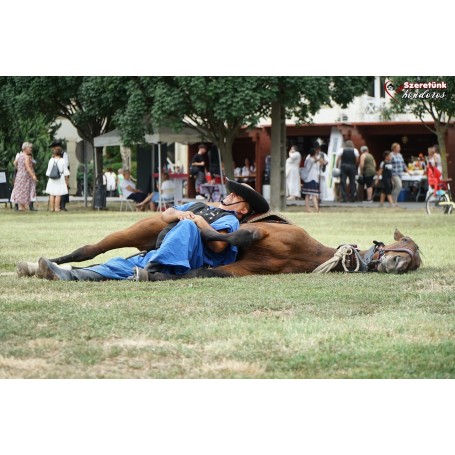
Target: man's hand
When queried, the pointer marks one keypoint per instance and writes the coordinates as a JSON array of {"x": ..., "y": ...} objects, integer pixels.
[
  {"x": 185, "y": 215},
  {"x": 172, "y": 215}
]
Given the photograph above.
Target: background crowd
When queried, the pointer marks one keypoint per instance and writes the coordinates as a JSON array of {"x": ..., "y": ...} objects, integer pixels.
[{"x": 356, "y": 173}]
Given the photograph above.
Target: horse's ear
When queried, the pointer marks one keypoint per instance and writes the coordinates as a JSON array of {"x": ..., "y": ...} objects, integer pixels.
[{"x": 397, "y": 235}]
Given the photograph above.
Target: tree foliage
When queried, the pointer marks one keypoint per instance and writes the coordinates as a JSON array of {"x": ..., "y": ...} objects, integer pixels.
[
  {"x": 439, "y": 104},
  {"x": 218, "y": 108},
  {"x": 89, "y": 103},
  {"x": 221, "y": 108}
]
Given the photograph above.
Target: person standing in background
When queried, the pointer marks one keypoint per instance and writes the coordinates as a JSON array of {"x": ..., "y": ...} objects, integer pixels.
[
  {"x": 434, "y": 158},
  {"x": 399, "y": 167},
  {"x": 348, "y": 162},
  {"x": 385, "y": 170},
  {"x": 367, "y": 168},
  {"x": 293, "y": 190},
  {"x": 310, "y": 176},
  {"x": 56, "y": 188},
  {"x": 25, "y": 182},
  {"x": 33, "y": 188},
  {"x": 323, "y": 161},
  {"x": 111, "y": 181},
  {"x": 200, "y": 161},
  {"x": 16, "y": 159},
  {"x": 64, "y": 198},
  {"x": 119, "y": 181}
]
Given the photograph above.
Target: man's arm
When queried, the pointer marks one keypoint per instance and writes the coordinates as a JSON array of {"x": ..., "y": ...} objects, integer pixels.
[
  {"x": 362, "y": 162},
  {"x": 171, "y": 215},
  {"x": 133, "y": 190}
]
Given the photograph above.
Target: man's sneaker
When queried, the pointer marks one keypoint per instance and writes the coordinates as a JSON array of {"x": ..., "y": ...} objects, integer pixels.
[{"x": 199, "y": 196}]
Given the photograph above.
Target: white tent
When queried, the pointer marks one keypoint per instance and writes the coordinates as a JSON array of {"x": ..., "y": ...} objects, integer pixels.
[
  {"x": 167, "y": 135},
  {"x": 161, "y": 135}
]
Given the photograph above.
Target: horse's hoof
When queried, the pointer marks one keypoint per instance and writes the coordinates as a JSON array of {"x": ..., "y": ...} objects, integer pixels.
[{"x": 26, "y": 268}]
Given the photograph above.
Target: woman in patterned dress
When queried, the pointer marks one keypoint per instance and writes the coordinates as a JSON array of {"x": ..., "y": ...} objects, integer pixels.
[{"x": 25, "y": 182}]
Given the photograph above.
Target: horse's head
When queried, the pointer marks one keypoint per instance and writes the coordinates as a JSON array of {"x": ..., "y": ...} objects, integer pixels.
[{"x": 399, "y": 257}]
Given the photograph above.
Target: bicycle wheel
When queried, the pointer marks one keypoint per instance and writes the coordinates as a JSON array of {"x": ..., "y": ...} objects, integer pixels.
[{"x": 436, "y": 204}]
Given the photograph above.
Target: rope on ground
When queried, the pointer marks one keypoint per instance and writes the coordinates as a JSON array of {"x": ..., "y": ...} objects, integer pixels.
[{"x": 340, "y": 255}]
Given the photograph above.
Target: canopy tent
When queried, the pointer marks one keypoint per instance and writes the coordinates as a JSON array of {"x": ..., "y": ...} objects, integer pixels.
[
  {"x": 184, "y": 136},
  {"x": 161, "y": 135}
]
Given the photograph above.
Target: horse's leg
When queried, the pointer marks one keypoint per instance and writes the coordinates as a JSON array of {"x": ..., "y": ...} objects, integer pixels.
[
  {"x": 242, "y": 238},
  {"x": 237, "y": 269},
  {"x": 198, "y": 273},
  {"x": 142, "y": 235}
]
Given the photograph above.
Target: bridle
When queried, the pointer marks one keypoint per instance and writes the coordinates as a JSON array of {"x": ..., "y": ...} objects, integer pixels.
[
  {"x": 370, "y": 261},
  {"x": 381, "y": 250},
  {"x": 352, "y": 260}
]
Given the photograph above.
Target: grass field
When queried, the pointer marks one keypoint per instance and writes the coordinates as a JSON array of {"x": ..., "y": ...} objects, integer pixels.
[{"x": 286, "y": 326}]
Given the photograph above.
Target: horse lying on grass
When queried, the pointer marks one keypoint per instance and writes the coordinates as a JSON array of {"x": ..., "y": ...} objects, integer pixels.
[{"x": 265, "y": 248}]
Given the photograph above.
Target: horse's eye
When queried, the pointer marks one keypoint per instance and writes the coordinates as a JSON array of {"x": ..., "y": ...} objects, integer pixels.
[{"x": 405, "y": 239}]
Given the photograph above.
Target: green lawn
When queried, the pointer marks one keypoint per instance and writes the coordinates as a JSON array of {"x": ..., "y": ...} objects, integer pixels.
[{"x": 286, "y": 326}]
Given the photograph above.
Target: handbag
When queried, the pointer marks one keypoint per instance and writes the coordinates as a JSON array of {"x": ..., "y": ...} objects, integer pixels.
[
  {"x": 55, "y": 172},
  {"x": 194, "y": 170},
  {"x": 304, "y": 171}
]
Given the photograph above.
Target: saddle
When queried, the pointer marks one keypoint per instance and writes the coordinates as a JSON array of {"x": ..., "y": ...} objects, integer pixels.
[{"x": 269, "y": 217}]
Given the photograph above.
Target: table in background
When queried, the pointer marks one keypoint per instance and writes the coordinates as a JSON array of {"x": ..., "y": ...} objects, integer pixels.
[{"x": 417, "y": 181}]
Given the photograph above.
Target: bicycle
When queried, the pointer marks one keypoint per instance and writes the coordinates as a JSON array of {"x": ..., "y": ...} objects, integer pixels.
[{"x": 439, "y": 196}]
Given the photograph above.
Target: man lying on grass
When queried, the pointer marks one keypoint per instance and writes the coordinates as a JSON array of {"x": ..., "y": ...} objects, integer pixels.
[{"x": 180, "y": 247}]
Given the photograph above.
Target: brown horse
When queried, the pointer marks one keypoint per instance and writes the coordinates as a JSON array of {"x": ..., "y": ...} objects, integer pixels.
[{"x": 265, "y": 248}]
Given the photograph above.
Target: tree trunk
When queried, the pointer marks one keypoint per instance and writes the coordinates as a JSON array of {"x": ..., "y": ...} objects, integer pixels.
[
  {"x": 278, "y": 158},
  {"x": 98, "y": 170},
  {"x": 125, "y": 153},
  {"x": 226, "y": 158},
  {"x": 441, "y": 135}
]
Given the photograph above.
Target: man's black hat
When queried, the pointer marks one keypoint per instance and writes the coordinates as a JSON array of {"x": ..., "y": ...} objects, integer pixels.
[
  {"x": 56, "y": 144},
  {"x": 257, "y": 202}
]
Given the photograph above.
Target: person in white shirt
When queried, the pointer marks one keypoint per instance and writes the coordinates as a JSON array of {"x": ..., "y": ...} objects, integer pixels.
[
  {"x": 167, "y": 194},
  {"x": 310, "y": 176},
  {"x": 293, "y": 174},
  {"x": 248, "y": 174},
  {"x": 434, "y": 158},
  {"x": 237, "y": 172},
  {"x": 129, "y": 189},
  {"x": 322, "y": 169},
  {"x": 111, "y": 182}
]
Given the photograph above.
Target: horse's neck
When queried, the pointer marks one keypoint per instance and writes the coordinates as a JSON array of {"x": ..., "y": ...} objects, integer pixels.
[{"x": 315, "y": 253}]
